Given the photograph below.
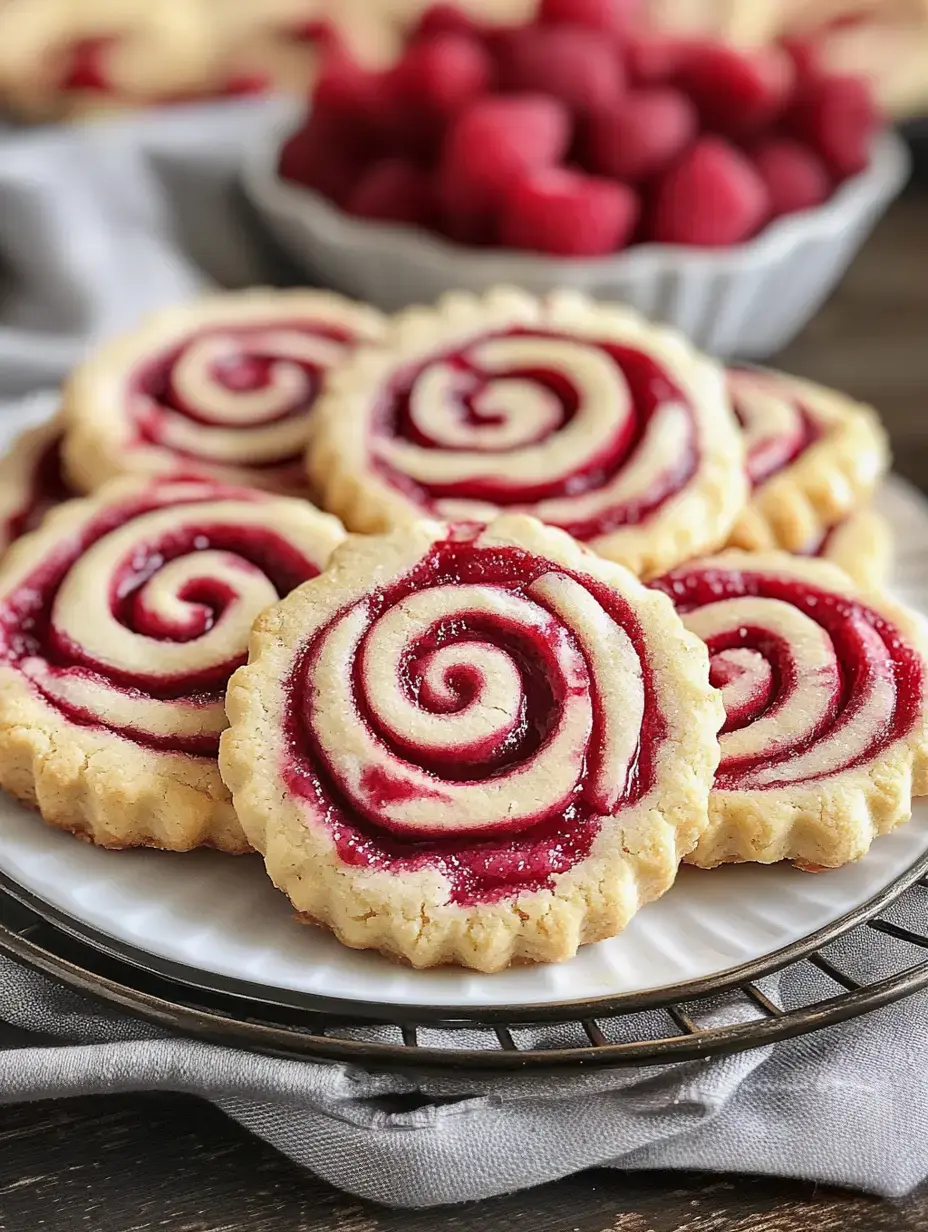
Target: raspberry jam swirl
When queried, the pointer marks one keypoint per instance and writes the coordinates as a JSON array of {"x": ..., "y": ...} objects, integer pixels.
[
  {"x": 232, "y": 396},
  {"x": 777, "y": 427},
  {"x": 482, "y": 715},
  {"x": 821, "y": 544},
  {"x": 814, "y": 682},
  {"x": 133, "y": 619},
  {"x": 87, "y": 69},
  {"x": 31, "y": 482},
  {"x": 587, "y": 435}
]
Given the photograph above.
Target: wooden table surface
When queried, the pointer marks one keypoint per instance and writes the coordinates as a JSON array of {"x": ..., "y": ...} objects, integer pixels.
[{"x": 140, "y": 1163}]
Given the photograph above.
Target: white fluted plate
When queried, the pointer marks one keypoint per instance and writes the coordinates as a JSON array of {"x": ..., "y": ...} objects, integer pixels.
[{"x": 219, "y": 916}]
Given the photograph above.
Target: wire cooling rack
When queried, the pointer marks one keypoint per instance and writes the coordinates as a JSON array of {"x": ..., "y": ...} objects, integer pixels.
[{"x": 732, "y": 1013}]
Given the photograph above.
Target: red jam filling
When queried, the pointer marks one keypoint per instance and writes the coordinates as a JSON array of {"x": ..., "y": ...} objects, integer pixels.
[
  {"x": 860, "y": 661},
  {"x": 821, "y": 545},
  {"x": 770, "y": 455},
  {"x": 650, "y": 388},
  {"x": 315, "y": 30},
  {"x": 498, "y": 861},
  {"x": 87, "y": 72},
  {"x": 47, "y": 489},
  {"x": 28, "y": 630},
  {"x": 157, "y": 402},
  {"x": 86, "y": 67}
]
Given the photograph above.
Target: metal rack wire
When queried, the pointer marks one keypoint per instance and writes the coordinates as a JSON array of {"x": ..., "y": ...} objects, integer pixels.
[{"x": 731, "y": 1014}]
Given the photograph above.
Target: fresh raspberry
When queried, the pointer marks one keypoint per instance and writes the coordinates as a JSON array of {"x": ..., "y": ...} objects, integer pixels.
[
  {"x": 796, "y": 178},
  {"x": 567, "y": 214},
  {"x": 528, "y": 130},
  {"x": 399, "y": 127},
  {"x": 712, "y": 198},
  {"x": 737, "y": 92},
  {"x": 318, "y": 160},
  {"x": 445, "y": 19},
  {"x": 462, "y": 225},
  {"x": 345, "y": 90},
  {"x": 567, "y": 62},
  {"x": 806, "y": 57},
  {"x": 371, "y": 107},
  {"x": 394, "y": 191},
  {"x": 641, "y": 137},
  {"x": 486, "y": 147},
  {"x": 837, "y": 117},
  {"x": 615, "y": 17},
  {"x": 654, "y": 59},
  {"x": 443, "y": 73},
  {"x": 493, "y": 139},
  {"x": 467, "y": 201}
]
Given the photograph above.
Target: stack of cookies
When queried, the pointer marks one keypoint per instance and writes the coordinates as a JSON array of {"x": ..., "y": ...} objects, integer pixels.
[
  {"x": 475, "y": 621},
  {"x": 72, "y": 58},
  {"x": 79, "y": 58}
]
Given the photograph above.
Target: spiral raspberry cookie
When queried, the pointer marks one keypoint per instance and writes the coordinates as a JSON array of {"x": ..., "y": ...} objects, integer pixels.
[
  {"x": 31, "y": 481},
  {"x": 472, "y": 746},
  {"x": 121, "y": 620},
  {"x": 221, "y": 388},
  {"x": 814, "y": 456},
  {"x": 578, "y": 413},
  {"x": 826, "y": 735},
  {"x": 861, "y": 545}
]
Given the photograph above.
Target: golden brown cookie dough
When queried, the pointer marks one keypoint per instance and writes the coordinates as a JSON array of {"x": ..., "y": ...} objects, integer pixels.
[
  {"x": 121, "y": 620},
  {"x": 31, "y": 480},
  {"x": 824, "y": 685},
  {"x": 579, "y": 413},
  {"x": 219, "y": 388},
  {"x": 861, "y": 545},
  {"x": 813, "y": 457},
  {"x": 472, "y": 746}
]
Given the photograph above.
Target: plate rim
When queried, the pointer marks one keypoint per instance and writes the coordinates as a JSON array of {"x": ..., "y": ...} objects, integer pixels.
[
  {"x": 368, "y": 1011},
  {"x": 216, "y": 1025}
]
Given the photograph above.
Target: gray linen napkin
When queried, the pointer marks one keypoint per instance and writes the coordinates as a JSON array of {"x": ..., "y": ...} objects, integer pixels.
[{"x": 99, "y": 225}]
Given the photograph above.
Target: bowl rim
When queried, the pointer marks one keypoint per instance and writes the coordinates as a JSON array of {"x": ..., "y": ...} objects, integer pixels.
[{"x": 884, "y": 176}]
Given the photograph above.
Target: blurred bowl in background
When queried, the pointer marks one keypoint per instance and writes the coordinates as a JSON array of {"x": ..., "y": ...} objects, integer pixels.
[{"x": 748, "y": 301}]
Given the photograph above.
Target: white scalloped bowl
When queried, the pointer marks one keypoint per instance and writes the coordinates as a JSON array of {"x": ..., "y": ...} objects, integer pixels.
[{"x": 749, "y": 300}]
